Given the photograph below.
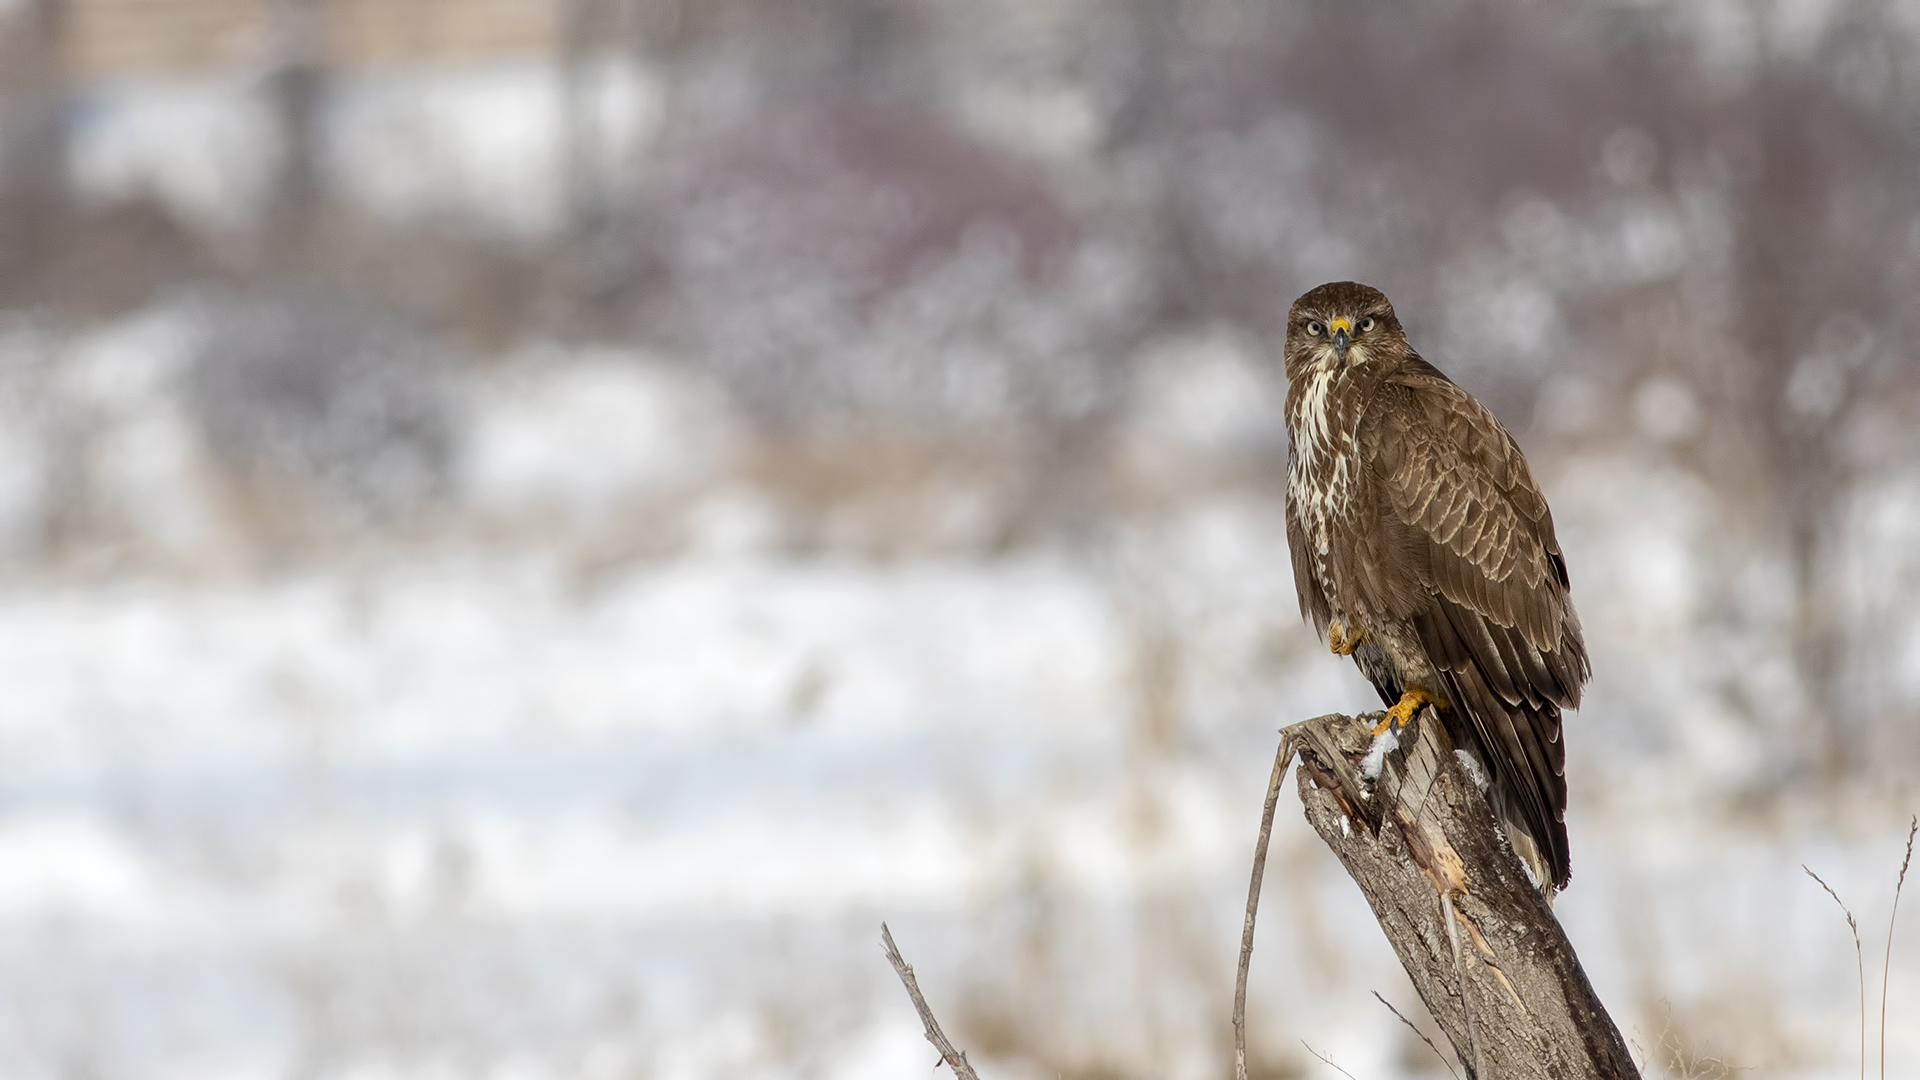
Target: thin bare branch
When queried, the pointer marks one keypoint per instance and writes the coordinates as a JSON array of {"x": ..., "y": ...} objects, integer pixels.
[
  {"x": 1325, "y": 1060},
  {"x": 1859, "y": 959},
  {"x": 1886, "y": 962},
  {"x": 1417, "y": 1031},
  {"x": 1281, "y": 757},
  {"x": 955, "y": 1059}
]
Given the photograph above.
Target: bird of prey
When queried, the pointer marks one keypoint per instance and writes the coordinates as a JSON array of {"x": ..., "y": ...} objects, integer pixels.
[{"x": 1423, "y": 549}]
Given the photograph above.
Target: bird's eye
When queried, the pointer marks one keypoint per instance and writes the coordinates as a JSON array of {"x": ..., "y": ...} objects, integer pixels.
[
  {"x": 1314, "y": 329},
  {"x": 1367, "y": 324}
]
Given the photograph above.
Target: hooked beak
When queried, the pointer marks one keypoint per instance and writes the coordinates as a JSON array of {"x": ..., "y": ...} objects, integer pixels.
[{"x": 1342, "y": 330}]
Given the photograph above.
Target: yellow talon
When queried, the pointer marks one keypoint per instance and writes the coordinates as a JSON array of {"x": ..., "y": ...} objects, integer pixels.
[
  {"x": 1402, "y": 714},
  {"x": 1339, "y": 642}
]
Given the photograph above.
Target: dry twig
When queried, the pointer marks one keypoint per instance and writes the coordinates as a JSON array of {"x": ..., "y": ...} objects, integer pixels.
[
  {"x": 1859, "y": 959},
  {"x": 1677, "y": 1061},
  {"x": 1325, "y": 1060},
  {"x": 1417, "y": 1031},
  {"x": 955, "y": 1059},
  {"x": 1886, "y": 962},
  {"x": 1280, "y": 759}
]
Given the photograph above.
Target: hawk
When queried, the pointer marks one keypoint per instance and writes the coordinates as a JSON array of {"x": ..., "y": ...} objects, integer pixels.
[{"x": 1423, "y": 549}]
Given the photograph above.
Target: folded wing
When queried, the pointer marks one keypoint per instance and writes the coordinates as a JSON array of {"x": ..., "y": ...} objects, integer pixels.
[{"x": 1478, "y": 573}]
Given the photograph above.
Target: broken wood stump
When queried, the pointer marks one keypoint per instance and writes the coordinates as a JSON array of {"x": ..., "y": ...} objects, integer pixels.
[{"x": 1478, "y": 940}]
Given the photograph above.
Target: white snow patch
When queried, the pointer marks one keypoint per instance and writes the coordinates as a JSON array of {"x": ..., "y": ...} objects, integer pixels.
[
  {"x": 1525, "y": 866},
  {"x": 69, "y": 863},
  {"x": 130, "y": 367},
  {"x": 205, "y": 147},
  {"x": 590, "y": 433},
  {"x": 146, "y": 462},
  {"x": 886, "y": 1051},
  {"x": 1383, "y": 744},
  {"x": 729, "y": 865},
  {"x": 487, "y": 143},
  {"x": 1472, "y": 766}
]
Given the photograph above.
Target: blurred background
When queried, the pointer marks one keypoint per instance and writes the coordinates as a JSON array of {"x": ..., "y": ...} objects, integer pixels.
[{"x": 527, "y": 527}]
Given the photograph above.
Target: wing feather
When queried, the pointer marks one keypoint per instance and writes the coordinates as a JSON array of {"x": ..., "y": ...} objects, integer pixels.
[
  {"x": 1493, "y": 613},
  {"x": 1456, "y": 475},
  {"x": 1483, "y": 650}
]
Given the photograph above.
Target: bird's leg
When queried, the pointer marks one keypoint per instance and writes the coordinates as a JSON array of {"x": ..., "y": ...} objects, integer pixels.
[
  {"x": 1339, "y": 641},
  {"x": 1402, "y": 714}
]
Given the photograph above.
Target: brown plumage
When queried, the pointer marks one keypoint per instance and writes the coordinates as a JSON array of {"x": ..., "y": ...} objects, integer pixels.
[{"x": 1422, "y": 547}]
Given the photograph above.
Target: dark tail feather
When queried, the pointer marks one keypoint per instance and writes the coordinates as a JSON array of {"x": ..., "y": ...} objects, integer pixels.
[
  {"x": 1519, "y": 748},
  {"x": 1516, "y": 741}
]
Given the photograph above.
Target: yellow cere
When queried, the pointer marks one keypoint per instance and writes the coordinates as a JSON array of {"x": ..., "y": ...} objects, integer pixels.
[{"x": 1338, "y": 325}]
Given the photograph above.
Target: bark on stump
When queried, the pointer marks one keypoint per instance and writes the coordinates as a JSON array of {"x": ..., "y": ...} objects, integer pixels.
[{"x": 1422, "y": 844}]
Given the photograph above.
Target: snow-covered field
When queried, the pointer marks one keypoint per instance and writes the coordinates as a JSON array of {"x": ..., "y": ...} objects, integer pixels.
[
  {"x": 467, "y": 818},
  {"x": 465, "y": 810}
]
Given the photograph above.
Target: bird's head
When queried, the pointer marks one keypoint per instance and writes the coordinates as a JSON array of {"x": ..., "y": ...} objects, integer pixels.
[{"x": 1342, "y": 324}]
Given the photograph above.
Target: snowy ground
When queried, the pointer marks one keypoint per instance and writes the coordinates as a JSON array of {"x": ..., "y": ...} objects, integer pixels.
[
  {"x": 464, "y": 808},
  {"x": 469, "y": 816}
]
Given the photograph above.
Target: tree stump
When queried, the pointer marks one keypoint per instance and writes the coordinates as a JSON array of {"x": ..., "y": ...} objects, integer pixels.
[{"x": 1478, "y": 940}]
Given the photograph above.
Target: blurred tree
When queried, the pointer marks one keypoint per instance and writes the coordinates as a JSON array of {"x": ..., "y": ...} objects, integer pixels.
[
  {"x": 296, "y": 88},
  {"x": 1824, "y": 156},
  {"x": 861, "y": 215},
  {"x": 33, "y": 195}
]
